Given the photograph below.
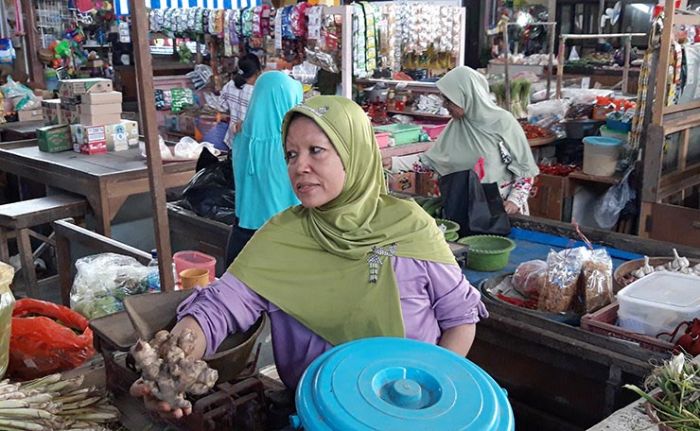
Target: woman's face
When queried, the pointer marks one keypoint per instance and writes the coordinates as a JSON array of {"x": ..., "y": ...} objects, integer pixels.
[
  {"x": 455, "y": 111},
  {"x": 314, "y": 166}
]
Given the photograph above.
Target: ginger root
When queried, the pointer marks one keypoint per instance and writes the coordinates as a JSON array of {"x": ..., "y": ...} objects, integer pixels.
[{"x": 169, "y": 372}]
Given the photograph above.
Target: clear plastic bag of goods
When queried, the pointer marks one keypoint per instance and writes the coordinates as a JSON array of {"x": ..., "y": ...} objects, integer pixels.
[
  {"x": 563, "y": 270},
  {"x": 529, "y": 278},
  {"x": 103, "y": 281},
  {"x": 608, "y": 208},
  {"x": 596, "y": 280},
  {"x": 7, "y": 302}
]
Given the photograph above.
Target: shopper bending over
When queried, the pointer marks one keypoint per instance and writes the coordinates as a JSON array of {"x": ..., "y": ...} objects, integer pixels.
[{"x": 479, "y": 128}]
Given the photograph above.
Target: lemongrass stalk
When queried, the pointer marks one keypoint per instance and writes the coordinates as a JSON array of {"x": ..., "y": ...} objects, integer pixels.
[
  {"x": 13, "y": 404},
  {"x": 96, "y": 417},
  {"x": 73, "y": 397},
  {"x": 62, "y": 385},
  {"x": 83, "y": 403},
  {"x": 12, "y": 425},
  {"x": 12, "y": 396},
  {"x": 42, "y": 381},
  {"x": 27, "y": 413}
]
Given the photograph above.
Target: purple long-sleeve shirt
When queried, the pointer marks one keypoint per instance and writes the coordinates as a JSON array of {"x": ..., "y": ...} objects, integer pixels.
[{"x": 434, "y": 298}]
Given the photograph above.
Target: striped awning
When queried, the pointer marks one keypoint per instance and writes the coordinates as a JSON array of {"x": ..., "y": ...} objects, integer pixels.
[{"x": 121, "y": 7}]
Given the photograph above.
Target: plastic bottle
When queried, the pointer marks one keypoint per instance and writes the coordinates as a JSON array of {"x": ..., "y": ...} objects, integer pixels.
[{"x": 153, "y": 274}]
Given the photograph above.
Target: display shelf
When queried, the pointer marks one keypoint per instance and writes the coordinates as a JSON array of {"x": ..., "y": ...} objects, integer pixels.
[
  {"x": 406, "y": 149},
  {"x": 419, "y": 114},
  {"x": 580, "y": 176}
]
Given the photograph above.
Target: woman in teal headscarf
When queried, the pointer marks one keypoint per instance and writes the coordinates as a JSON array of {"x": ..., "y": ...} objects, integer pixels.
[{"x": 259, "y": 169}]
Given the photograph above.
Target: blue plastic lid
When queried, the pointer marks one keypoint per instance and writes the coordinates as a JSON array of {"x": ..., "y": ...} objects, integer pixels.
[
  {"x": 399, "y": 384},
  {"x": 602, "y": 140}
]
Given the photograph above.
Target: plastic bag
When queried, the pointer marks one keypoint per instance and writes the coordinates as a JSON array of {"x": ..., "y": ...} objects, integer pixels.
[
  {"x": 608, "y": 208},
  {"x": 23, "y": 98},
  {"x": 44, "y": 339},
  {"x": 7, "y": 302},
  {"x": 529, "y": 278},
  {"x": 103, "y": 281},
  {"x": 210, "y": 193},
  {"x": 596, "y": 278},
  {"x": 561, "y": 285}
]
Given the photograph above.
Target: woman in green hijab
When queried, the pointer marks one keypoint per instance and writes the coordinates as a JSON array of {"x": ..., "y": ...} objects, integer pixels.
[
  {"x": 481, "y": 129},
  {"x": 349, "y": 262}
]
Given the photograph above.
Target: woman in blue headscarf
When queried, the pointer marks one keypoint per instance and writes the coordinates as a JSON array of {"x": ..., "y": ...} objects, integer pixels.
[{"x": 259, "y": 168}]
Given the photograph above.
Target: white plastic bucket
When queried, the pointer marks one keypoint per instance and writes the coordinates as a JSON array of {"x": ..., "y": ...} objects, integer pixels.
[{"x": 600, "y": 155}]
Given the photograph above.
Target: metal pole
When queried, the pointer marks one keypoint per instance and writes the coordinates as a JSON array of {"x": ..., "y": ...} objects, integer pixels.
[
  {"x": 552, "y": 40},
  {"x": 560, "y": 63},
  {"x": 507, "y": 75},
  {"x": 144, "y": 84},
  {"x": 626, "y": 70}
]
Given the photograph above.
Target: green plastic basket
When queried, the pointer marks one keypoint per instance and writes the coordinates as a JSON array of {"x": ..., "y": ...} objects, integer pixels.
[
  {"x": 487, "y": 252},
  {"x": 402, "y": 133},
  {"x": 451, "y": 230}
]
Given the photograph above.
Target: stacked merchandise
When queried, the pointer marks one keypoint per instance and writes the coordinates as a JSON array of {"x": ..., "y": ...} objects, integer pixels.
[{"x": 93, "y": 111}]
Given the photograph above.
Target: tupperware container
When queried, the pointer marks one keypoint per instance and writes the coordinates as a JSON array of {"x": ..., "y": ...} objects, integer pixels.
[
  {"x": 402, "y": 133},
  {"x": 398, "y": 384},
  {"x": 659, "y": 302},
  {"x": 194, "y": 259},
  {"x": 434, "y": 130},
  {"x": 610, "y": 133},
  {"x": 600, "y": 155},
  {"x": 382, "y": 139}
]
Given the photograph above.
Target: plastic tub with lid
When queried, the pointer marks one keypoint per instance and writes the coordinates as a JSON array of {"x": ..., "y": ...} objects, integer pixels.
[
  {"x": 398, "y": 384},
  {"x": 194, "y": 259},
  {"x": 659, "y": 302},
  {"x": 600, "y": 155}
]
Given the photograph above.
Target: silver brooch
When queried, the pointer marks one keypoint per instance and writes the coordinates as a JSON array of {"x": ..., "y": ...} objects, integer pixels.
[
  {"x": 320, "y": 111},
  {"x": 375, "y": 260}
]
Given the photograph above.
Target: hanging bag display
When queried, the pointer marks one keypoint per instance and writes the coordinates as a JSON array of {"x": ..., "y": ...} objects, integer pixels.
[{"x": 477, "y": 207}]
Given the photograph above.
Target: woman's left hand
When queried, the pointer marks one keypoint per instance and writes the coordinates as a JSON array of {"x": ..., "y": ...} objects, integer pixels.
[{"x": 511, "y": 208}]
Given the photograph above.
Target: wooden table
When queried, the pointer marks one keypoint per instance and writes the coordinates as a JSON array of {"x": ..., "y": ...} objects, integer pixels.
[
  {"x": 106, "y": 180},
  {"x": 20, "y": 130}
]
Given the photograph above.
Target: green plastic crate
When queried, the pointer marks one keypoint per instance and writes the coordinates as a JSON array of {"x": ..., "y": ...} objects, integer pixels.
[{"x": 402, "y": 133}]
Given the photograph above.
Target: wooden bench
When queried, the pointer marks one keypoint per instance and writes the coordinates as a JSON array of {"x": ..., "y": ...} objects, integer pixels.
[{"x": 17, "y": 220}]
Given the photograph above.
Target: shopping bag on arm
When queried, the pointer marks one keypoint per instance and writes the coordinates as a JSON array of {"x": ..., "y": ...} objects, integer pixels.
[{"x": 477, "y": 207}]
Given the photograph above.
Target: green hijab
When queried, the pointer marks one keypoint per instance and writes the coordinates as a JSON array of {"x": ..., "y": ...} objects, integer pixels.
[
  {"x": 314, "y": 263},
  {"x": 478, "y": 133}
]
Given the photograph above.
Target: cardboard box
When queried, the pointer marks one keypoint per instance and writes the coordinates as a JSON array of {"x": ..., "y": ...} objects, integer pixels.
[
  {"x": 75, "y": 87},
  {"x": 68, "y": 114},
  {"x": 404, "y": 182},
  {"x": 116, "y": 136},
  {"x": 94, "y": 148},
  {"x": 53, "y": 139},
  {"x": 427, "y": 184},
  {"x": 132, "y": 132},
  {"x": 101, "y": 98},
  {"x": 99, "y": 119},
  {"x": 94, "y": 110},
  {"x": 83, "y": 134},
  {"x": 30, "y": 115},
  {"x": 52, "y": 111}
]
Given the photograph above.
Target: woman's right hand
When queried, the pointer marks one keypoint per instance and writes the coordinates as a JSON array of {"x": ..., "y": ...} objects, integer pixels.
[{"x": 162, "y": 408}]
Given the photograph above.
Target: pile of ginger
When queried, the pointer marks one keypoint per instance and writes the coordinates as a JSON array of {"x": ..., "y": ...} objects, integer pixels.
[{"x": 169, "y": 371}]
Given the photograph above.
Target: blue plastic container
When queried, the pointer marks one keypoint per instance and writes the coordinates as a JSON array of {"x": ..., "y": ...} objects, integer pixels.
[
  {"x": 600, "y": 155},
  {"x": 398, "y": 384}
]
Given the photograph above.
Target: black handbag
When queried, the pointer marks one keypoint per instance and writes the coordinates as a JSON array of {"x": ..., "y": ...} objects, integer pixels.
[{"x": 477, "y": 207}]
